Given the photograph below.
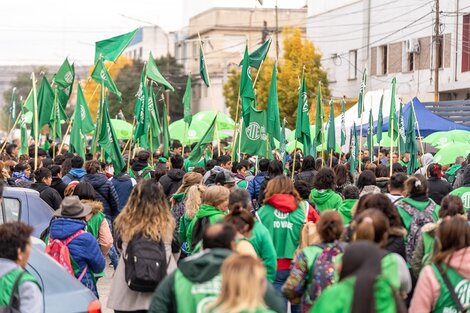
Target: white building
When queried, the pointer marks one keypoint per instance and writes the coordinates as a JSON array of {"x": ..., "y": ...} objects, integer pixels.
[
  {"x": 393, "y": 39},
  {"x": 150, "y": 39}
]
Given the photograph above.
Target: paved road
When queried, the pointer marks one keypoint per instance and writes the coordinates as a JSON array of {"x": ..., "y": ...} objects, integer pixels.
[{"x": 103, "y": 287}]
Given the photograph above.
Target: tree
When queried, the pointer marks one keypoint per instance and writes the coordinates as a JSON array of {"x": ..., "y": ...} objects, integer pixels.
[{"x": 298, "y": 53}]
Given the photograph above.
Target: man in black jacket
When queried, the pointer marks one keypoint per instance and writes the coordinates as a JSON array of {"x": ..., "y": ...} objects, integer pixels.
[
  {"x": 174, "y": 178},
  {"x": 43, "y": 179},
  {"x": 57, "y": 182}
]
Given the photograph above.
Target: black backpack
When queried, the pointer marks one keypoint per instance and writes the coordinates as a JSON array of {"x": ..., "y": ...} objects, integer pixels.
[
  {"x": 146, "y": 263},
  {"x": 14, "y": 305},
  {"x": 198, "y": 230}
]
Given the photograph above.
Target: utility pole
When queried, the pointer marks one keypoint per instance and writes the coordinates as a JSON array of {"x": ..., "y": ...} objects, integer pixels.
[
  {"x": 277, "y": 33},
  {"x": 168, "y": 71},
  {"x": 436, "y": 60}
]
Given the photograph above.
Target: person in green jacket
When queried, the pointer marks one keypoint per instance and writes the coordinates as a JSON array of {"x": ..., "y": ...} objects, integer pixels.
[
  {"x": 416, "y": 210},
  {"x": 464, "y": 191},
  {"x": 212, "y": 210},
  {"x": 361, "y": 288},
  {"x": 15, "y": 249},
  {"x": 140, "y": 168},
  {"x": 198, "y": 279},
  {"x": 323, "y": 195},
  {"x": 243, "y": 286},
  {"x": 351, "y": 195}
]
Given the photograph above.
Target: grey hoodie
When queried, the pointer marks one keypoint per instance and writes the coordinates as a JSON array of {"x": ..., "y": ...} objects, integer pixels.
[
  {"x": 31, "y": 300},
  {"x": 426, "y": 159}
]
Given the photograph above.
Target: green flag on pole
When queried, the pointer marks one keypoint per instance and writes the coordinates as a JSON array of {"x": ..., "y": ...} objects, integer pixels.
[
  {"x": 57, "y": 114},
  {"x": 247, "y": 94},
  {"x": 154, "y": 137},
  {"x": 166, "y": 132},
  {"x": 254, "y": 136},
  {"x": 302, "y": 124},
  {"x": 354, "y": 149},
  {"x": 257, "y": 57},
  {"x": 370, "y": 133},
  {"x": 318, "y": 118},
  {"x": 65, "y": 75},
  {"x": 392, "y": 119},
  {"x": 411, "y": 145},
  {"x": 101, "y": 75},
  {"x": 82, "y": 124},
  {"x": 401, "y": 130},
  {"x": 141, "y": 112},
  {"x": 110, "y": 49},
  {"x": 198, "y": 152},
  {"x": 154, "y": 74},
  {"x": 29, "y": 105},
  {"x": 23, "y": 132},
  {"x": 331, "y": 141},
  {"x": 45, "y": 103},
  {"x": 343, "y": 124},
  {"x": 108, "y": 140},
  {"x": 380, "y": 120},
  {"x": 188, "y": 116},
  {"x": 203, "y": 68},
  {"x": 273, "y": 122},
  {"x": 360, "y": 101}
]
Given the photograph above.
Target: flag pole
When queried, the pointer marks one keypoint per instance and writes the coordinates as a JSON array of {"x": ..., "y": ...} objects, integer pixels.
[
  {"x": 295, "y": 155},
  {"x": 66, "y": 133},
  {"x": 127, "y": 142},
  {"x": 331, "y": 158},
  {"x": 419, "y": 132},
  {"x": 97, "y": 131},
  {"x": 257, "y": 74},
  {"x": 240, "y": 139},
  {"x": 54, "y": 122},
  {"x": 10, "y": 131},
  {"x": 391, "y": 146},
  {"x": 36, "y": 122},
  {"x": 378, "y": 154},
  {"x": 360, "y": 143}
]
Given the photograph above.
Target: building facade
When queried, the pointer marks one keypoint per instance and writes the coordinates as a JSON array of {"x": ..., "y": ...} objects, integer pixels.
[
  {"x": 393, "y": 39},
  {"x": 150, "y": 39}
]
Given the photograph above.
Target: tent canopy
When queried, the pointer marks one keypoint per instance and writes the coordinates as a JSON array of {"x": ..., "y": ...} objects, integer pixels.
[{"x": 428, "y": 122}]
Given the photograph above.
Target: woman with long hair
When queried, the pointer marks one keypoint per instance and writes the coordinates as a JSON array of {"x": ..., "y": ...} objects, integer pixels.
[
  {"x": 243, "y": 286},
  {"x": 323, "y": 194},
  {"x": 374, "y": 226},
  {"x": 178, "y": 199},
  {"x": 300, "y": 279},
  {"x": 192, "y": 202},
  {"x": 443, "y": 285},
  {"x": 307, "y": 172},
  {"x": 243, "y": 221},
  {"x": 367, "y": 183},
  {"x": 146, "y": 214},
  {"x": 342, "y": 177},
  {"x": 212, "y": 210},
  {"x": 361, "y": 288}
]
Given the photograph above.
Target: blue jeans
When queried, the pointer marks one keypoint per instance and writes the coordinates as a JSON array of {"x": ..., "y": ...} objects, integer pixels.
[
  {"x": 113, "y": 253},
  {"x": 281, "y": 277}
]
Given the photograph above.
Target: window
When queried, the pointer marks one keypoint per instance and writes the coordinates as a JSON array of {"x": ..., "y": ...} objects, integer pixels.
[
  {"x": 353, "y": 64},
  {"x": 11, "y": 207},
  {"x": 410, "y": 62},
  {"x": 383, "y": 61},
  {"x": 466, "y": 43}
]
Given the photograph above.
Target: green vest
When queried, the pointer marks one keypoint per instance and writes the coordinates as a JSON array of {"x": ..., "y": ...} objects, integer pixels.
[
  {"x": 242, "y": 184},
  {"x": 148, "y": 169},
  {"x": 7, "y": 282},
  {"x": 445, "y": 303},
  {"x": 194, "y": 297},
  {"x": 428, "y": 241},
  {"x": 284, "y": 229},
  {"x": 389, "y": 267},
  {"x": 94, "y": 223}
]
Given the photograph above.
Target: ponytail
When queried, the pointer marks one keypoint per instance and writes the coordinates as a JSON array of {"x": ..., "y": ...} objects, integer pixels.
[
  {"x": 330, "y": 227},
  {"x": 240, "y": 218}
]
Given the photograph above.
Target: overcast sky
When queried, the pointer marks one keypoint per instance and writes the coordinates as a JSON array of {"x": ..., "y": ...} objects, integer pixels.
[{"x": 47, "y": 31}]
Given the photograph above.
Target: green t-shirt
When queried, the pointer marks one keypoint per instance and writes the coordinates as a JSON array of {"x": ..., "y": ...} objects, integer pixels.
[
  {"x": 445, "y": 303},
  {"x": 464, "y": 194}
]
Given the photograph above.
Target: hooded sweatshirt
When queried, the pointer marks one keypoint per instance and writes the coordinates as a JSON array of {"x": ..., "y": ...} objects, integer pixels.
[
  {"x": 464, "y": 191},
  {"x": 213, "y": 215},
  {"x": 196, "y": 281},
  {"x": 428, "y": 288},
  {"x": 345, "y": 209},
  {"x": 426, "y": 159},
  {"x": 74, "y": 174},
  {"x": 325, "y": 199},
  {"x": 138, "y": 168},
  {"x": 172, "y": 181},
  {"x": 123, "y": 184},
  {"x": 264, "y": 247},
  {"x": 284, "y": 219},
  {"x": 105, "y": 193}
]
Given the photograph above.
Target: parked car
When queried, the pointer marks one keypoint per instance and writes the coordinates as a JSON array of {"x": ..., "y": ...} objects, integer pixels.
[
  {"x": 62, "y": 292},
  {"x": 25, "y": 205}
]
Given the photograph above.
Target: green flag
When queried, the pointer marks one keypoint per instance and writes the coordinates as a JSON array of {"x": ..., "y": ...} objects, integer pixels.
[
  {"x": 24, "y": 133},
  {"x": 108, "y": 140},
  {"x": 141, "y": 112},
  {"x": 302, "y": 124},
  {"x": 101, "y": 75},
  {"x": 166, "y": 132},
  {"x": 203, "y": 68},
  {"x": 380, "y": 120},
  {"x": 56, "y": 115},
  {"x": 198, "y": 151},
  {"x": 247, "y": 94},
  {"x": 29, "y": 105},
  {"x": 154, "y": 137},
  {"x": 82, "y": 124},
  {"x": 331, "y": 141},
  {"x": 343, "y": 124},
  {"x": 392, "y": 118},
  {"x": 188, "y": 116},
  {"x": 354, "y": 150},
  {"x": 110, "y": 49},
  {"x": 254, "y": 136},
  {"x": 282, "y": 141},
  {"x": 370, "y": 133},
  {"x": 273, "y": 122},
  {"x": 257, "y": 57},
  {"x": 318, "y": 118},
  {"x": 411, "y": 145},
  {"x": 45, "y": 103},
  {"x": 360, "y": 101},
  {"x": 401, "y": 130},
  {"x": 153, "y": 73},
  {"x": 65, "y": 75}
]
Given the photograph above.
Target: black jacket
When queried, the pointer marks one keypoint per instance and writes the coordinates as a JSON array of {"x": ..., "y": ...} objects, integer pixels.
[
  {"x": 48, "y": 194},
  {"x": 396, "y": 241},
  {"x": 306, "y": 176},
  {"x": 172, "y": 181},
  {"x": 105, "y": 193},
  {"x": 438, "y": 189},
  {"x": 58, "y": 185}
]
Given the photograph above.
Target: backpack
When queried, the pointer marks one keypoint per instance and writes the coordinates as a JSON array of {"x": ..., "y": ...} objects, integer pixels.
[
  {"x": 323, "y": 271},
  {"x": 59, "y": 251},
  {"x": 308, "y": 233},
  {"x": 139, "y": 177},
  {"x": 419, "y": 219},
  {"x": 198, "y": 230},
  {"x": 146, "y": 263},
  {"x": 14, "y": 305},
  {"x": 72, "y": 178}
]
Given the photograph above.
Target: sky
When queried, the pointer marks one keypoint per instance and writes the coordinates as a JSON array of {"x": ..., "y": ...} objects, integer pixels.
[{"x": 47, "y": 31}]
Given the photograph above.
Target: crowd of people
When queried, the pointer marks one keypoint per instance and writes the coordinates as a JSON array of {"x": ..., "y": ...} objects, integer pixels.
[{"x": 253, "y": 235}]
